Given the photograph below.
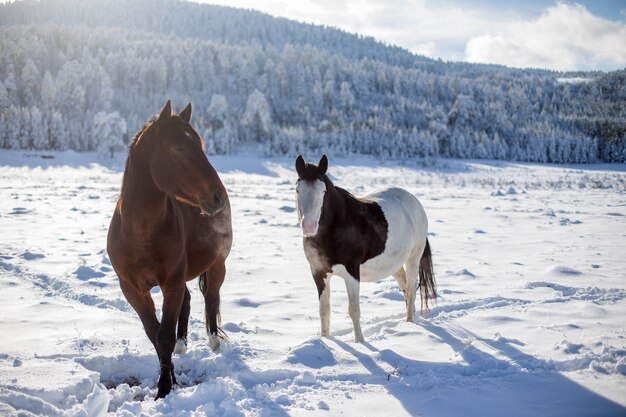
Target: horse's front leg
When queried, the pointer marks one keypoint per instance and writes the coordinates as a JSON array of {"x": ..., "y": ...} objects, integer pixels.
[
  {"x": 323, "y": 291},
  {"x": 173, "y": 296},
  {"x": 353, "y": 286}
]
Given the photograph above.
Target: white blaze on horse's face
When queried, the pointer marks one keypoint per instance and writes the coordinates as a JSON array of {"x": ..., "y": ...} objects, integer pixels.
[{"x": 310, "y": 197}]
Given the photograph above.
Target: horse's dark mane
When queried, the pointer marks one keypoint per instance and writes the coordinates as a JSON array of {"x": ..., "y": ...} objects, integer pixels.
[
  {"x": 149, "y": 124},
  {"x": 131, "y": 147},
  {"x": 145, "y": 127},
  {"x": 352, "y": 203},
  {"x": 350, "y": 199}
]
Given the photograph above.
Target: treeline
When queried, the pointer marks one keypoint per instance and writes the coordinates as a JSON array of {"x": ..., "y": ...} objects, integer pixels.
[{"x": 75, "y": 75}]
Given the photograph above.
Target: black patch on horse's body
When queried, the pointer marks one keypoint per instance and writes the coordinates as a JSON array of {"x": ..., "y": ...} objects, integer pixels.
[{"x": 351, "y": 230}]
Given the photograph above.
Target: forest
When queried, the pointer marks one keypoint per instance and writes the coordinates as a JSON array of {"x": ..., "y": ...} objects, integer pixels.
[{"x": 87, "y": 75}]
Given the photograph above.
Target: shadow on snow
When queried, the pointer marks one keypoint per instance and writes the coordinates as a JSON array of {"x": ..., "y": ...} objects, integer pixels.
[{"x": 522, "y": 385}]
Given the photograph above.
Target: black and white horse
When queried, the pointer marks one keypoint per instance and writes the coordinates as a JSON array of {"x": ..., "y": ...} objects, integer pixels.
[{"x": 362, "y": 239}]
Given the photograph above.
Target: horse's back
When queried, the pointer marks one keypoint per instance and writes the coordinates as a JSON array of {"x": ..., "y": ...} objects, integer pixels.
[
  {"x": 407, "y": 228},
  {"x": 400, "y": 206}
]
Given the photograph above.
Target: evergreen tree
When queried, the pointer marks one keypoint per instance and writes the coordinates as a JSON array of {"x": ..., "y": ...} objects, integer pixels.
[
  {"x": 257, "y": 116},
  {"x": 30, "y": 83},
  {"x": 109, "y": 131},
  {"x": 58, "y": 136},
  {"x": 38, "y": 129}
]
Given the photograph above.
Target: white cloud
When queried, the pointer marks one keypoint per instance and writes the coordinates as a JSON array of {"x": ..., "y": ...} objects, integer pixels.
[
  {"x": 564, "y": 37},
  {"x": 422, "y": 26}
]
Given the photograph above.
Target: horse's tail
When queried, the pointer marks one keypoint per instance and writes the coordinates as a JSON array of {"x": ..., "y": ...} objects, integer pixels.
[
  {"x": 203, "y": 282},
  {"x": 427, "y": 284}
]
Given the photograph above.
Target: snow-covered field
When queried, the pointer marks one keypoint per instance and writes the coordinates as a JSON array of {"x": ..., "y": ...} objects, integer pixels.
[{"x": 529, "y": 259}]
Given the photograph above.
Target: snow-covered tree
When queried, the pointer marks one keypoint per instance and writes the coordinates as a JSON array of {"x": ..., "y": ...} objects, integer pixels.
[
  {"x": 13, "y": 120},
  {"x": 217, "y": 112},
  {"x": 38, "y": 129},
  {"x": 48, "y": 92},
  {"x": 408, "y": 106},
  {"x": 4, "y": 97},
  {"x": 30, "y": 83},
  {"x": 58, "y": 134},
  {"x": 346, "y": 96},
  {"x": 109, "y": 130},
  {"x": 257, "y": 116}
]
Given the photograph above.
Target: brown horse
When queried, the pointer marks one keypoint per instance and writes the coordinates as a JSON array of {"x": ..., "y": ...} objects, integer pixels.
[{"x": 171, "y": 224}]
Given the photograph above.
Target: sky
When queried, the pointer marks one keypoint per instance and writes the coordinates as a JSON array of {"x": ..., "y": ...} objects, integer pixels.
[{"x": 557, "y": 35}]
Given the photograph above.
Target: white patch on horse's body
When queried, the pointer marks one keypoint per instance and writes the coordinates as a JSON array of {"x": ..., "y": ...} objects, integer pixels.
[
  {"x": 214, "y": 342},
  {"x": 324, "y": 307},
  {"x": 317, "y": 261},
  {"x": 181, "y": 347},
  {"x": 407, "y": 228}
]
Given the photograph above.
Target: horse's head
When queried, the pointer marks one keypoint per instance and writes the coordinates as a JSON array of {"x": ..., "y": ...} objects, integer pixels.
[
  {"x": 310, "y": 193},
  {"x": 179, "y": 165}
]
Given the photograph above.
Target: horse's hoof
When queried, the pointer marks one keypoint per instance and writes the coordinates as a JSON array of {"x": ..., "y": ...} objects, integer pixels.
[
  {"x": 181, "y": 347},
  {"x": 162, "y": 392},
  {"x": 214, "y": 342},
  {"x": 166, "y": 380}
]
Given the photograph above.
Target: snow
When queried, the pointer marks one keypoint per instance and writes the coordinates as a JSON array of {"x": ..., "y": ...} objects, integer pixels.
[
  {"x": 574, "y": 80},
  {"x": 529, "y": 322}
]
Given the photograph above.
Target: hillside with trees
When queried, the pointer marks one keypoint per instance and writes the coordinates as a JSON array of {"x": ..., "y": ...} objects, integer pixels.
[{"x": 87, "y": 75}]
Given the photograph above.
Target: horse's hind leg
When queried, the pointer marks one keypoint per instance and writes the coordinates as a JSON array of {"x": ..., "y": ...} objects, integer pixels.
[
  {"x": 412, "y": 278},
  {"x": 400, "y": 276},
  {"x": 210, "y": 283},
  {"x": 183, "y": 323}
]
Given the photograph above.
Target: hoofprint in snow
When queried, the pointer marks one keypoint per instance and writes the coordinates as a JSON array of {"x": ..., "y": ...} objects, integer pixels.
[{"x": 530, "y": 270}]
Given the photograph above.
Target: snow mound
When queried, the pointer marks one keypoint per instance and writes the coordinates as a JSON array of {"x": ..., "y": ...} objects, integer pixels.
[
  {"x": 465, "y": 273},
  {"x": 59, "y": 383},
  {"x": 560, "y": 270},
  {"x": 85, "y": 273},
  {"x": 313, "y": 354},
  {"x": 30, "y": 256},
  {"x": 510, "y": 191},
  {"x": 595, "y": 294}
]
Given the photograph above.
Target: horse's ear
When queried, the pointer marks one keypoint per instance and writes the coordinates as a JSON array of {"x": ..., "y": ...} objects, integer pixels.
[
  {"x": 323, "y": 165},
  {"x": 186, "y": 113},
  {"x": 300, "y": 165},
  {"x": 166, "y": 112}
]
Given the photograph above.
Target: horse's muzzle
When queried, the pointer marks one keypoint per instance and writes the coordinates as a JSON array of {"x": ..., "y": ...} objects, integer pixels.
[
  {"x": 309, "y": 227},
  {"x": 212, "y": 209}
]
